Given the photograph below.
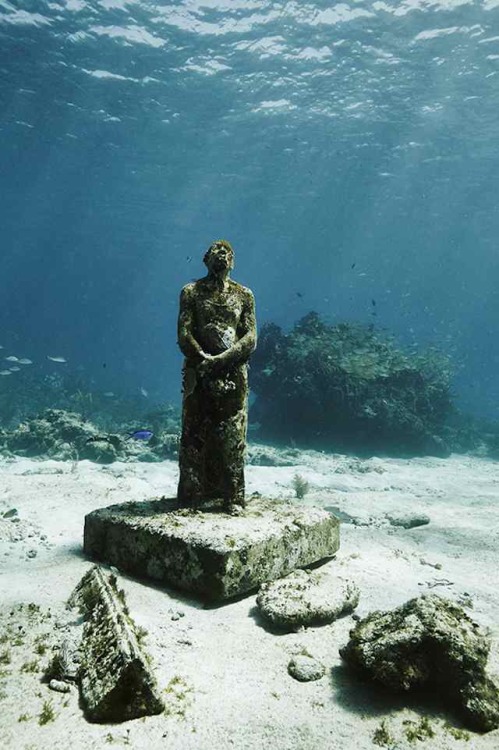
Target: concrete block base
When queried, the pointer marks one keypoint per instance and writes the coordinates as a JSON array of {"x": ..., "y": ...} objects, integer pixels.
[{"x": 211, "y": 554}]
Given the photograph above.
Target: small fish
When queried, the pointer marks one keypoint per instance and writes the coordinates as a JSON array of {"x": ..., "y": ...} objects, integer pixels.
[
  {"x": 104, "y": 364},
  {"x": 299, "y": 294},
  {"x": 373, "y": 302},
  {"x": 144, "y": 392},
  {"x": 109, "y": 394},
  {"x": 56, "y": 359},
  {"x": 353, "y": 265},
  {"x": 5, "y": 372},
  {"x": 11, "y": 358},
  {"x": 189, "y": 258},
  {"x": 14, "y": 369},
  {"x": 25, "y": 361},
  {"x": 140, "y": 435}
]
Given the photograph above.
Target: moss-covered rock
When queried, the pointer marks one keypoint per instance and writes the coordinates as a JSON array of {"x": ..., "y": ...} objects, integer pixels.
[{"x": 429, "y": 641}]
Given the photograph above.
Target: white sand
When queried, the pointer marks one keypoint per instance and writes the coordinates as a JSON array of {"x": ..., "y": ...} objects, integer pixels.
[{"x": 233, "y": 689}]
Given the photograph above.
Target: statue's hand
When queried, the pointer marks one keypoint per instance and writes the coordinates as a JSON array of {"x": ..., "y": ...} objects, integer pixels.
[
  {"x": 212, "y": 362},
  {"x": 206, "y": 364}
]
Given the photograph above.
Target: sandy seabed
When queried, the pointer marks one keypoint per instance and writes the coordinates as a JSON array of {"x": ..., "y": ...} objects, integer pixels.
[{"x": 222, "y": 674}]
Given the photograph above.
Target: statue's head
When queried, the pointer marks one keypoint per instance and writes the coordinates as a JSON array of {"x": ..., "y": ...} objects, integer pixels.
[{"x": 219, "y": 256}]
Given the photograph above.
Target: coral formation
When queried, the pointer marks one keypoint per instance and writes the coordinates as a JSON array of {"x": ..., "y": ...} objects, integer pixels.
[
  {"x": 348, "y": 386},
  {"x": 55, "y": 433},
  {"x": 300, "y": 486},
  {"x": 64, "y": 435}
]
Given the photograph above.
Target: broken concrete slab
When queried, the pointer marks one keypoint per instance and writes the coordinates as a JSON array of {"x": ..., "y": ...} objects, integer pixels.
[
  {"x": 214, "y": 555},
  {"x": 116, "y": 683}
]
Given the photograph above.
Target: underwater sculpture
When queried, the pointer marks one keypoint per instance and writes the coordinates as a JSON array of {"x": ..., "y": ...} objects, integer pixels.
[
  {"x": 163, "y": 539},
  {"x": 216, "y": 334}
]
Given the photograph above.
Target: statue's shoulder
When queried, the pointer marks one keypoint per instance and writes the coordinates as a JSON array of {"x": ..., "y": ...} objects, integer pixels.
[
  {"x": 190, "y": 289},
  {"x": 243, "y": 291}
]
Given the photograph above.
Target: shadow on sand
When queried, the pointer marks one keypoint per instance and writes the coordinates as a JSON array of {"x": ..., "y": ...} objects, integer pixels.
[{"x": 358, "y": 695}]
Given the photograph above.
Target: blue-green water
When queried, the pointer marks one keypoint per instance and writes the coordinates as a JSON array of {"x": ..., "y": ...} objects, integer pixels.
[{"x": 348, "y": 151}]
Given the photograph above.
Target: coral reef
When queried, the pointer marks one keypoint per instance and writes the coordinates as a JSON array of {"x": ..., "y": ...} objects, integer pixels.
[
  {"x": 54, "y": 433},
  {"x": 23, "y": 397},
  {"x": 305, "y": 668},
  {"x": 347, "y": 386},
  {"x": 300, "y": 486},
  {"x": 429, "y": 641},
  {"x": 65, "y": 435}
]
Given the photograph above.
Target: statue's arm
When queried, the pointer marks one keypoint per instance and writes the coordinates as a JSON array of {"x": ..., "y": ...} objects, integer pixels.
[
  {"x": 246, "y": 330},
  {"x": 186, "y": 341}
]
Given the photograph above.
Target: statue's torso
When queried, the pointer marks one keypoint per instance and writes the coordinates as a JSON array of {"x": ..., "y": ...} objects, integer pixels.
[{"x": 217, "y": 315}]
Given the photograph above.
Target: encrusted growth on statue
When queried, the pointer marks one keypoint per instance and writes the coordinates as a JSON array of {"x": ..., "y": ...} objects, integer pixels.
[{"x": 217, "y": 334}]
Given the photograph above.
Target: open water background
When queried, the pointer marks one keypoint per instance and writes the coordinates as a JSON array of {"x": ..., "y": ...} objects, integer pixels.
[{"x": 349, "y": 152}]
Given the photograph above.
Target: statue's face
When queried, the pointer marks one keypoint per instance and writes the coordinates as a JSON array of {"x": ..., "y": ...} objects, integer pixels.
[{"x": 219, "y": 258}]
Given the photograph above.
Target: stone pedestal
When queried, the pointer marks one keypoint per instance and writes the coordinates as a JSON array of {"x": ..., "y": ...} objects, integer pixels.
[{"x": 211, "y": 554}]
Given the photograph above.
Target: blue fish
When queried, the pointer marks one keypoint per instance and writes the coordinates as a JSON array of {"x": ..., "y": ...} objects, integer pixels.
[{"x": 140, "y": 435}]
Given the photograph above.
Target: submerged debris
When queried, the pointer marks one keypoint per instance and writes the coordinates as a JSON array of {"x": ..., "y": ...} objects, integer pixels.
[
  {"x": 116, "y": 683},
  {"x": 429, "y": 641},
  {"x": 408, "y": 520},
  {"x": 59, "y": 686},
  {"x": 305, "y": 668},
  {"x": 305, "y": 598},
  {"x": 64, "y": 665}
]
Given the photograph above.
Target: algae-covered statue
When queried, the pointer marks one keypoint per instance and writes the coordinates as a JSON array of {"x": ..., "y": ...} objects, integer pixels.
[{"x": 216, "y": 334}]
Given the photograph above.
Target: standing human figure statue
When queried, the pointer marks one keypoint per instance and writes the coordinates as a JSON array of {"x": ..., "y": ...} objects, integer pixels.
[{"x": 216, "y": 334}]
